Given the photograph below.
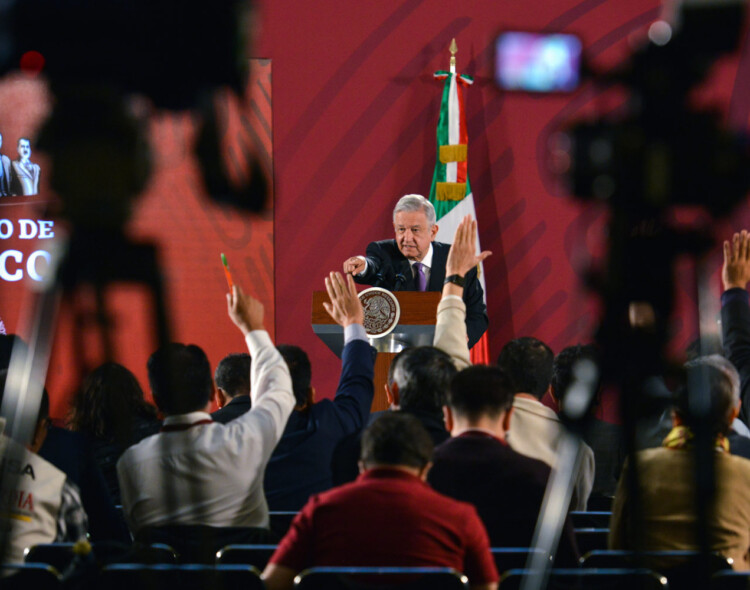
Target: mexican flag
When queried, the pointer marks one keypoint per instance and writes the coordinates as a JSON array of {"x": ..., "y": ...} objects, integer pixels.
[{"x": 450, "y": 192}]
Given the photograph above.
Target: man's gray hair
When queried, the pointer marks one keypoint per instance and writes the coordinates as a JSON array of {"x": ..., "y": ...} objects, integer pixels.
[
  {"x": 411, "y": 203},
  {"x": 724, "y": 366}
]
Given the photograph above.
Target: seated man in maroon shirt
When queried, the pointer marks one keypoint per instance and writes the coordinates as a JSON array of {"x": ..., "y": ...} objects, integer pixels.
[{"x": 388, "y": 517}]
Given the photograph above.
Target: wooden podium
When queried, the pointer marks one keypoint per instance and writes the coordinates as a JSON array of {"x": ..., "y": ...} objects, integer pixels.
[{"x": 416, "y": 327}]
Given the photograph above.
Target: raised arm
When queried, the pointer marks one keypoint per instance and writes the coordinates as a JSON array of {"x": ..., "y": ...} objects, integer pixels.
[
  {"x": 270, "y": 383},
  {"x": 355, "y": 391},
  {"x": 735, "y": 313},
  {"x": 450, "y": 329}
]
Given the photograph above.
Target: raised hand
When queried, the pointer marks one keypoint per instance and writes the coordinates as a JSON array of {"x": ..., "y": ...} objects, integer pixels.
[
  {"x": 345, "y": 307},
  {"x": 462, "y": 256},
  {"x": 244, "y": 310},
  {"x": 736, "y": 269}
]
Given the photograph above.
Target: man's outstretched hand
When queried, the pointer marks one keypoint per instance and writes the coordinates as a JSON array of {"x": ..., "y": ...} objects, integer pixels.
[
  {"x": 736, "y": 269},
  {"x": 462, "y": 256},
  {"x": 245, "y": 311},
  {"x": 354, "y": 265},
  {"x": 345, "y": 307}
]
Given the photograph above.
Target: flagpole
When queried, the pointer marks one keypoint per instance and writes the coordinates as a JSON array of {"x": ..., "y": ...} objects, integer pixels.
[{"x": 454, "y": 50}]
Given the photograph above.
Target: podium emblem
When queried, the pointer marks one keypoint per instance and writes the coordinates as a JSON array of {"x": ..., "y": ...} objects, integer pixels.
[{"x": 382, "y": 311}]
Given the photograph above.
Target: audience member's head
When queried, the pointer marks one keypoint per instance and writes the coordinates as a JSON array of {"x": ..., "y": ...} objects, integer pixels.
[
  {"x": 42, "y": 417},
  {"x": 180, "y": 378},
  {"x": 108, "y": 402},
  {"x": 565, "y": 361},
  {"x": 528, "y": 364},
  {"x": 232, "y": 375},
  {"x": 301, "y": 372},
  {"x": 419, "y": 378},
  {"x": 479, "y": 392},
  {"x": 723, "y": 383},
  {"x": 396, "y": 439}
]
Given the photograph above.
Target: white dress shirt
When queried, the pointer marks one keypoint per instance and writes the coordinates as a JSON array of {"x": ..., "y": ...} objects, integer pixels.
[{"x": 211, "y": 474}]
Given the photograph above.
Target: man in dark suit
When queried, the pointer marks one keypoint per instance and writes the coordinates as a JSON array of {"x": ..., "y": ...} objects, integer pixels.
[
  {"x": 301, "y": 463},
  {"x": 232, "y": 378},
  {"x": 414, "y": 262},
  {"x": 735, "y": 313},
  {"x": 4, "y": 173},
  {"x": 477, "y": 466}
]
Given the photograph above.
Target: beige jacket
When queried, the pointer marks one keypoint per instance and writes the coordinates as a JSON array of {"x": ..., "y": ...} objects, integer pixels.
[
  {"x": 668, "y": 500},
  {"x": 535, "y": 431}
]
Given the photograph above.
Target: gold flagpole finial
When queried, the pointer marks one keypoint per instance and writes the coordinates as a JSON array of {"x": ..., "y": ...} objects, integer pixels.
[{"x": 454, "y": 50}]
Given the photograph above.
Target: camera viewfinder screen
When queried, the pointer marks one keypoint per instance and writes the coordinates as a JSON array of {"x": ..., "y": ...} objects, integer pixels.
[{"x": 534, "y": 62}]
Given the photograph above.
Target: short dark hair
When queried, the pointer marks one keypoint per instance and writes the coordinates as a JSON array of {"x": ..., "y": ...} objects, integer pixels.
[
  {"x": 396, "y": 438},
  {"x": 724, "y": 388},
  {"x": 233, "y": 374},
  {"x": 423, "y": 375},
  {"x": 180, "y": 378},
  {"x": 562, "y": 371},
  {"x": 300, "y": 370},
  {"x": 480, "y": 390},
  {"x": 527, "y": 362}
]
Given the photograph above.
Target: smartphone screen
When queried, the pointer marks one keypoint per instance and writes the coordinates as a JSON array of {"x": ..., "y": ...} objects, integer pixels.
[{"x": 535, "y": 62}]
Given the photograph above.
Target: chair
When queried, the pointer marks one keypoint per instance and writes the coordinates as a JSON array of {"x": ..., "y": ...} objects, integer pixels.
[
  {"x": 511, "y": 558},
  {"x": 590, "y": 539},
  {"x": 257, "y": 555},
  {"x": 590, "y": 519},
  {"x": 590, "y": 579},
  {"x": 730, "y": 581},
  {"x": 128, "y": 576},
  {"x": 681, "y": 568},
  {"x": 599, "y": 503},
  {"x": 60, "y": 555},
  {"x": 29, "y": 576},
  {"x": 371, "y": 578},
  {"x": 280, "y": 521},
  {"x": 199, "y": 543}
]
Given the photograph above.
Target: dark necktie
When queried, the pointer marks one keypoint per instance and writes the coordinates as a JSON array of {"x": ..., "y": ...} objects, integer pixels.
[{"x": 421, "y": 279}]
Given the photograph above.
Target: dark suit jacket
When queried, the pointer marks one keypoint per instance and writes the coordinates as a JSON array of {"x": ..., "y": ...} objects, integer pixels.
[
  {"x": 608, "y": 444},
  {"x": 5, "y": 178},
  {"x": 735, "y": 328},
  {"x": 388, "y": 268},
  {"x": 506, "y": 488},
  {"x": 236, "y": 407},
  {"x": 301, "y": 463}
]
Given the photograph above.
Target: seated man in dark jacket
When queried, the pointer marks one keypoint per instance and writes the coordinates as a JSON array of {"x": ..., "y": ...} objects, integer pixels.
[
  {"x": 301, "y": 463},
  {"x": 417, "y": 384},
  {"x": 478, "y": 466},
  {"x": 232, "y": 378}
]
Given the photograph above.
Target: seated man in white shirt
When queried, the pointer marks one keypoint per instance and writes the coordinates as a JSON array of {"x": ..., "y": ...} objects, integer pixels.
[{"x": 197, "y": 471}]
